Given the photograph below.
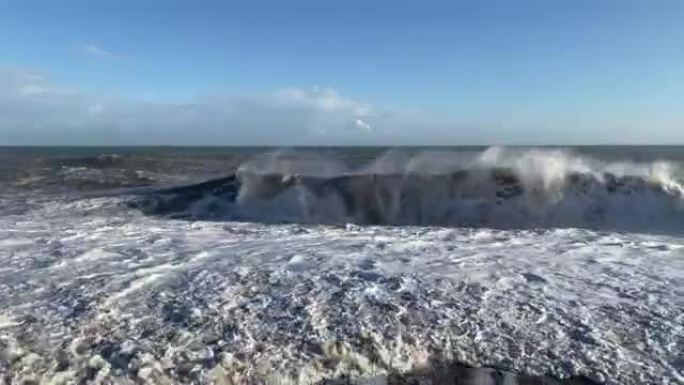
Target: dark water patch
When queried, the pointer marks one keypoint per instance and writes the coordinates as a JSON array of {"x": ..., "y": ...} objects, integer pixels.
[{"x": 456, "y": 373}]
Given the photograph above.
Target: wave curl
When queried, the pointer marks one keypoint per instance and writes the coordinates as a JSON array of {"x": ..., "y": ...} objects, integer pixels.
[{"x": 499, "y": 188}]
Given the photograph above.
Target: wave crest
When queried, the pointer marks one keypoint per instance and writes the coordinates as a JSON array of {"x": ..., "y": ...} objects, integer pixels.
[{"x": 499, "y": 187}]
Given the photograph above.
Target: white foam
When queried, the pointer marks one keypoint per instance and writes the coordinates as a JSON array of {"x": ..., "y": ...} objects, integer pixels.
[{"x": 307, "y": 301}]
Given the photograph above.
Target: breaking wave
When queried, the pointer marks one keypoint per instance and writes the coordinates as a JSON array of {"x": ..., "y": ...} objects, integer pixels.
[{"x": 498, "y": 188}]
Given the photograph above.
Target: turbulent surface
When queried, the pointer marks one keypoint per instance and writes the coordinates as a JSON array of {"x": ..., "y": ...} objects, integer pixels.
[
  {"x": 91, "y": 291},
  {"x": 551, "y": 264},
  {"x": 495, "y": 189}
]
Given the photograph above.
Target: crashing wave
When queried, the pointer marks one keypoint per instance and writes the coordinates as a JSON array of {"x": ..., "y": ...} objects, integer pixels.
[{"x": 498, "y": 188}]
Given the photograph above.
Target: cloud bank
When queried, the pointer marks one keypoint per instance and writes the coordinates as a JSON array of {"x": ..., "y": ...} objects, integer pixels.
[{"x": 35, "y": 111}]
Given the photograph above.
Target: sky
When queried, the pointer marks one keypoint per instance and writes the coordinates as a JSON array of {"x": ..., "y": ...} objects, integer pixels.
[{"x": 305, "y": 72}]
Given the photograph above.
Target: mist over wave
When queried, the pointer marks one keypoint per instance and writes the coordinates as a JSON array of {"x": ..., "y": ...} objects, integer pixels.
[{"x": 498, "y": 187}]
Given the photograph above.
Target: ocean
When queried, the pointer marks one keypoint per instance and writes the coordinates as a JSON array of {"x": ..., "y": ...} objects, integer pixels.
[{"x": 228, "y": 265}]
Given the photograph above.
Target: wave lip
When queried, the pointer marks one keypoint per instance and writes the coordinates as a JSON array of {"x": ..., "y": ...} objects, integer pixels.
[{"x": 499, "y": 189}]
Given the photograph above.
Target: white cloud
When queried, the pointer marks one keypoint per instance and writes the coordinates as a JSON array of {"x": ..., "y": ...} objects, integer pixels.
[
  {"x": 33, "y": 110},
  {"x": 36, "y": 111},
  {"x": 324, "y": 99},
  {"x": 97, "y": 51},
  {"x": 23, "y": 83},
  {"x": 362, "y": 125}
]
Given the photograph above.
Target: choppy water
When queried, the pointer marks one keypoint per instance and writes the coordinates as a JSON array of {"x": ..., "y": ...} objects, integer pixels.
[{"x": 122, "y": 265}]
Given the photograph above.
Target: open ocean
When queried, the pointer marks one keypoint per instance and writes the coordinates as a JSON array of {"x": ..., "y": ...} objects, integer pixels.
[{"x": 230, "y": 265}]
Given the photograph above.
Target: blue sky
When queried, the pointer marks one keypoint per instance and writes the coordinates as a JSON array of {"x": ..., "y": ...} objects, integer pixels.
[{"x": 334, "y": 72}]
